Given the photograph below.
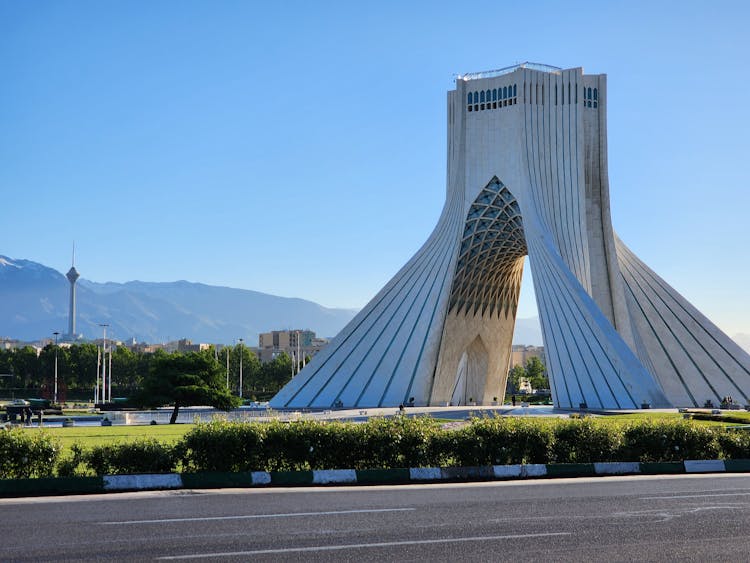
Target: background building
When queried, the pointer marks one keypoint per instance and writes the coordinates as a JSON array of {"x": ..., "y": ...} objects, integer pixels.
[
  {"x": 186, "y": 345},
  {"x": 520, "y": 353},
  {"x": 271, "y": 344}
]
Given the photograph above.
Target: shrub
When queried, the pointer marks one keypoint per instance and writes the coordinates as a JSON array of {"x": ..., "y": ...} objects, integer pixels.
[
  {"x": 73, "y": 464},
  {"x": 584, "y": 440},
  {"x": 669, "y": 441},
  {"x": 378, "y": 443},
  {"x": 306, "y": 445},
  {"x": 734, "y": 444},
  {"x": 501, "y": 441},
  {"x": 222, "y": 446},
  {"x": 332, "y": 445},
  {"x": 419, "y": 442},
  {"x": 26, "y": 454},
  {"x": 399, "y": 442},
  {"x": 288, "y": 447},
  {"x": 140, "y": 456}
]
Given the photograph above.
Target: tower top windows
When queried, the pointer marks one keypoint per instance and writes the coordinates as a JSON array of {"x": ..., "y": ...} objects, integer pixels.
[{"x": 481, "y": 100}]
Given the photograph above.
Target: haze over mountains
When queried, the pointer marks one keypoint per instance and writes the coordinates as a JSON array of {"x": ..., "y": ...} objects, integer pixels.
[{"x": 34, "y": 304}]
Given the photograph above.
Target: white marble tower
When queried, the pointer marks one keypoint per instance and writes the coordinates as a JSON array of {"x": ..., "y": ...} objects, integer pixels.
[{"x": 527, "y": 175}]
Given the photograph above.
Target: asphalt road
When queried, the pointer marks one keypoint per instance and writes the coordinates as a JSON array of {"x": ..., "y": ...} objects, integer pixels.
[{"x": 686, "y": 518}]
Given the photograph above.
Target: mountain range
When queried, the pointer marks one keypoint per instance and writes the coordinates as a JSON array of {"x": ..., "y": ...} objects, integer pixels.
[{"x": 34, "y": 304}]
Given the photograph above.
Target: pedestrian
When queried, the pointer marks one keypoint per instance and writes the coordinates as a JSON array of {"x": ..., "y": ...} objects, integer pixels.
[
  {"x": 513, "y": 399},
  {"x": 28, "y": 415}
]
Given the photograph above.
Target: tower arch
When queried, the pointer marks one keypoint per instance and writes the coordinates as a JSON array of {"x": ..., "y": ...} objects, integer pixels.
[{"x": 483, "y": 298}]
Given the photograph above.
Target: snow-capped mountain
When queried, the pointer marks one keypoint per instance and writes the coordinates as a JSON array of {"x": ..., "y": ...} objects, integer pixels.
[{"x": 34, "y": 303}]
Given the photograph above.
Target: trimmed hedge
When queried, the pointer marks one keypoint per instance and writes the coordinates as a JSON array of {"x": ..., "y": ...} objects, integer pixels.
[
  {"x": 140, "y": 456},
  {"x": 120, "y": 458},
  {"x": 380, "y": 443},
  {"x": 679, "y": 440},
  {"x": 305, "y": 445},
  {"x": 27, "y": 454},
  {"x": 498, "y": 441},
  {"x": 419, "y": 442}
]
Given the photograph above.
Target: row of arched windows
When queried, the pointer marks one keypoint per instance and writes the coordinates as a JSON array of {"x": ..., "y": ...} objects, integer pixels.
[
  {"x": 590, "y": 95},
  {"x": 492, "y": 99},
  {"x": 508, "y": 96}
]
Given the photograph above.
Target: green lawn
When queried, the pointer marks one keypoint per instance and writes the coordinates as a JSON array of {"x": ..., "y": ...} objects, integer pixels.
[
  {"x": 742, "y": 416},
  {"x": 656, "y": 416},
  {"x": 89, "y": 436},
  {"x": 644, "y": 416}
]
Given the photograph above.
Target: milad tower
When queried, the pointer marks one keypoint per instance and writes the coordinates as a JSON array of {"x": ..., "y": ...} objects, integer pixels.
[
  {"x": 527, "y": 175},
  {"x": 72, "y": 276}
]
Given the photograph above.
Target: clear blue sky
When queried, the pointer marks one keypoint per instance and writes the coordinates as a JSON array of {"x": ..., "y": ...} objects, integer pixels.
[{"x": 298, "y": 148}]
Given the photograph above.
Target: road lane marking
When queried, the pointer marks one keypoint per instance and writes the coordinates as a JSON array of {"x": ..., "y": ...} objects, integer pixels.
[
  {"x": 668, "y": 515},
  {"x": 359, "y": 546},
  {"x": 697, "y": 496},
  {"x": 253, "y": 516}
]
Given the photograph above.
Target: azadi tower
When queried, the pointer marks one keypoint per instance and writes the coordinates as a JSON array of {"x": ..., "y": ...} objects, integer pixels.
[{"x": 527, "y": 175}]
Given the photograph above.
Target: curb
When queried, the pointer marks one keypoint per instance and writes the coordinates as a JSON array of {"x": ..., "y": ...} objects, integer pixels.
[{"x": 215, "y": 480}]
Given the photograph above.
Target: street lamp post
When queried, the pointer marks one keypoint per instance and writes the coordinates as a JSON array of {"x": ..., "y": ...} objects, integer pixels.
[
  {"x": 109, "y": 372},
  {"x": 299, "y": 348},
  {"x": 227, "y": 350},
  {"x": 98, "y": 373},
  {"x": 103, "y": 396},
  {"x": 240, "y": 368},
  {"x": 56, "y": 335}
]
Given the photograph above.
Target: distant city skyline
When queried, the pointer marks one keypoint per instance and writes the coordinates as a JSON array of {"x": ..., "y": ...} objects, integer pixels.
[{"x": 262, "y": 147}]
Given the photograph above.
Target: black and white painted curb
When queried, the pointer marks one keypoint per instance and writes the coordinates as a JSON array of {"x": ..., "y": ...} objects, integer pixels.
[{"x": 142, "y": 482}]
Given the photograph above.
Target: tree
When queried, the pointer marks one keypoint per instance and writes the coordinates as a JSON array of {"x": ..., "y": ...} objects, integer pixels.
[
  {"x": 6, "y": 367},
  {"x": 195, "y": 378},
  {"x": 125, "y": 370},
  {"x": 276, "y": 373},
  {"x": 535, "y": 373},
  {"x": 514, "y": 378},
  {"x": 46, "y": 364},
  {"x": 82, "y": 366},
  {"x": 250, "y": 368},
  {"x": 26, "y": 367}
]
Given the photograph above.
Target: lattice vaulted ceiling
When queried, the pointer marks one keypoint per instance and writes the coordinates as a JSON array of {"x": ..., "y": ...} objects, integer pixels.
[{"x": 490, "y": 263}]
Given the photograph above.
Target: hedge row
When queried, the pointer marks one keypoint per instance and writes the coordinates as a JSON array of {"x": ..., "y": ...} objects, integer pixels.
[
  {"x": 420, "y": 442},
  {"x": 27, "y": 454},
  {"x": 378, "y": 443}
]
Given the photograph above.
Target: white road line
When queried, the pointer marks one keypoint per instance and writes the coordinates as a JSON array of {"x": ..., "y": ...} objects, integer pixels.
[
  {"x": 253, "y": 516},
  {"x": 358, "y": 546},
  {"x": 697, "y": 496}
]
